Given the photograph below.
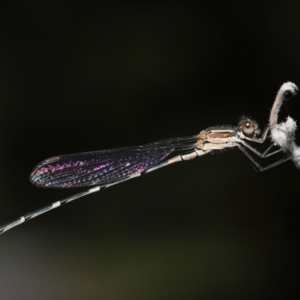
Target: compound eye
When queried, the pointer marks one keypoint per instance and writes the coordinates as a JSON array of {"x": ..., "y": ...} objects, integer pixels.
[{"x": 248, "y": 127}]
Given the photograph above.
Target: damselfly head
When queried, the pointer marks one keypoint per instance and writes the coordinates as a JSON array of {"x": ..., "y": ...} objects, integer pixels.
[{"x": 249, "y": 127}]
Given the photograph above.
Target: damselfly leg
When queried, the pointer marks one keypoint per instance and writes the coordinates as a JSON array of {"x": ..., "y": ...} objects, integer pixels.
[{"x": 244, "y": 146}]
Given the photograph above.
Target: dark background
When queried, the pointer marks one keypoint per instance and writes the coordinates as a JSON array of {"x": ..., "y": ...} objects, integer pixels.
[{"x": 86, "y": 76}]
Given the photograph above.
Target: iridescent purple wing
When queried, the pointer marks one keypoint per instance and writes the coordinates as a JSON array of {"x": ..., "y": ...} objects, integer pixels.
[{"x": 104, "y": 167}]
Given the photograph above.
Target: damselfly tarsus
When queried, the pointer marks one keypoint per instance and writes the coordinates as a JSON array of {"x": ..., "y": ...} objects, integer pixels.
[{"x": 102, "y": 169}]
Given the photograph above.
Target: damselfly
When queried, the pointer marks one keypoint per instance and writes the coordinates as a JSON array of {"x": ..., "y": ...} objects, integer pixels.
[{"x": 102, "y": 169}]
